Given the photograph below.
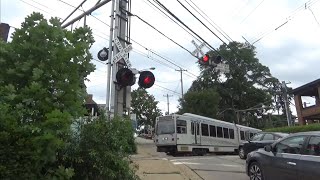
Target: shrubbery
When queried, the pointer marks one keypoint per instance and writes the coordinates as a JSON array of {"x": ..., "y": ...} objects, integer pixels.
[
  {"x": 42, "y": 95},
  {"x": 100, "y": 149},
  {"x": 295, "y": 129}
]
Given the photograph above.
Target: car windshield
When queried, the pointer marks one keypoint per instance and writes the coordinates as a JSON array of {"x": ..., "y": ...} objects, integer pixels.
[
  {"x": 256, "y": 137},
  {"x": 165, "y": 127}
]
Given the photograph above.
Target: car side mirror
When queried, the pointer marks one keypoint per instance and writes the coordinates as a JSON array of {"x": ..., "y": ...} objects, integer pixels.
[{"x": 268, "y": 148}]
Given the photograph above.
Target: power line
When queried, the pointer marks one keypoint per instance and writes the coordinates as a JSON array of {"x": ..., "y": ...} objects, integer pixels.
[
  {"x": 167, "y": 89},
  {"x": 171, "y": 19},
  {"x": 289, "y": 18},
  {"x": 181, "y": 22},
  {"x": 251, "y": 12},
  {"x": 160, "y": 62},
  {"x": 210, "y": 21},
  {"x": 133, "y": 39},
  {"x": 201, "y": 22},
  {"x": 35, "y": 7},
  {"x": 315, "y": 18},
  {"x": 130, "y": 14},
  {"x": 162, "y": 57}
]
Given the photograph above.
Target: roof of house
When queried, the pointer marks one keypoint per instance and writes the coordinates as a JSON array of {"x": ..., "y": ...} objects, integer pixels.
[{"x": 309, "y": 89}]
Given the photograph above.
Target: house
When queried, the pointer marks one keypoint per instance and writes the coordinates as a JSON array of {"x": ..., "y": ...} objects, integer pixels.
[{"x": 310, "y": 114}]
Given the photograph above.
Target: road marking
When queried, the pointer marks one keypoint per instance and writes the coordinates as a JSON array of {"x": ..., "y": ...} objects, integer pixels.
[
  {"x": 187, "y": 163},
  {"x": 208, "y": 164}
]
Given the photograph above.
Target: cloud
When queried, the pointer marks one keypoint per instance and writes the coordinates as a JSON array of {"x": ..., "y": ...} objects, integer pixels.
[{"x": 291, "y": 52}]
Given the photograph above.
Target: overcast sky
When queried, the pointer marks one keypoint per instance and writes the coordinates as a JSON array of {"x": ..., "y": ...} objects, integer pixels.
[{"x": 291, "y": 52}]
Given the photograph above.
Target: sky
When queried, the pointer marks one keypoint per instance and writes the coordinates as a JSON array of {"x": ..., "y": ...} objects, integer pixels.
[{"x": 290, "y": 51}]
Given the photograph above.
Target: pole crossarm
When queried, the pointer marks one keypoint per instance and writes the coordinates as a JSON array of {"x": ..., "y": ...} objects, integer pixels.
[{"x": 86, "y": 13}]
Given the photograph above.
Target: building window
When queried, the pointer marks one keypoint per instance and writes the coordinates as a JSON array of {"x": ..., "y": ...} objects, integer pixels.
[
  {"x": 204, "y": 130},
  {"x": 213, "y": 131},
  {"x": 219, "y": 132}
]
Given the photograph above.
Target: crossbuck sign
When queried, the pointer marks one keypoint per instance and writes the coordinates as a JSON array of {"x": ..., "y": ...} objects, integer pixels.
[
  {"x": 198, "y": 48},
  {"x": 123, "y": 52}
]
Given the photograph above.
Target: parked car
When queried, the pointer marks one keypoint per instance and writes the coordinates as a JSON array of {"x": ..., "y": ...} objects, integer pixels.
[
  {"x": 294, "y": 157},
  {"x": 257, "y": 141}
]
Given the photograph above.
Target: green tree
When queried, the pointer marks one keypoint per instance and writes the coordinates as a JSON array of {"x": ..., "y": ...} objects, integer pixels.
[
  {"x": 248, "y": 84},
  {"x": 41, "y": 92},
  {"x": 99, "y": 149},
  {"x": 204, "y": 102},
  {"x": 145, "y": 107}
]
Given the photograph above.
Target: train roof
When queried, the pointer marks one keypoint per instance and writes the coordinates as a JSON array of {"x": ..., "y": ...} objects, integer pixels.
[{"x": 216, "y": 120}]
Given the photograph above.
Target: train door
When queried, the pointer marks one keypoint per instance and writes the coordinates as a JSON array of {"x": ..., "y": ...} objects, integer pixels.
[{"x": 195, "y": 133}]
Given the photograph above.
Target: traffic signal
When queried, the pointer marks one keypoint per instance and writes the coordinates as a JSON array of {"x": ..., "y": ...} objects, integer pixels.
[
  {"x": 125, "y": 77},
  {"x": 146, "y": 79},
  {"x": 216, "y": 59},
  {"x": 205, "y": 60},
  {"x": 210, "y": 60}
]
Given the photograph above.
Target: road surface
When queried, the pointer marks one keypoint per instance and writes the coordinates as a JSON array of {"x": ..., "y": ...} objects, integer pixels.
[{"x": 209, "y": 167}]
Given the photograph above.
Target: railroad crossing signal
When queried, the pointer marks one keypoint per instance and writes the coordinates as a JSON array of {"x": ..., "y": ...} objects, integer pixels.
[
  {"x": 123, "y": 52},
  {"x": 198, "y": 48},
  {"x": 146, "y": 79},
  {"x": 125, "y": 77}
]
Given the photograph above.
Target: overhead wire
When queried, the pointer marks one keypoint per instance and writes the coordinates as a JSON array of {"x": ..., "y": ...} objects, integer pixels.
[
  {"x": 181, "y": 22},
  {"x": 157, "y": 54},
  {"x": 251, "y": 12},
  {"x": 167, "y": 89},
  {"x": 289, "y": 18},
  {"x": 97, "y": 35},
  {"x": 175, "y": 22},
  {"x": 210, "y": 21},
  {"x": 130, "y": 14}
]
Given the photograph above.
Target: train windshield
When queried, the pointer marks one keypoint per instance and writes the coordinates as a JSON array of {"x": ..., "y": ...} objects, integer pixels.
[{"x": 165, "y": 125}]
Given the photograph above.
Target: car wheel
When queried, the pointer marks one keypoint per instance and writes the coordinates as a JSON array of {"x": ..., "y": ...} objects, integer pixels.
[
  {"x": 241, "y": 153},
  {"x": 255, "y": 171}
]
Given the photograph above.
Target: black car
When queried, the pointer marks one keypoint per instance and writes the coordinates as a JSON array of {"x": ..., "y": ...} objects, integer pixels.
[
  {"x": 259, "y": 141},
  {"x": 294, "y": 157}
]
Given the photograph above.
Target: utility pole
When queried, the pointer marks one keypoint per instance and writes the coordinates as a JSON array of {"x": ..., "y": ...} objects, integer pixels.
[
  {"x": 181, "y": 79},
  {"x": 167, "y": 95},
  {"x": 120, "y": 97},
  {"x": 286, "y": 102}
]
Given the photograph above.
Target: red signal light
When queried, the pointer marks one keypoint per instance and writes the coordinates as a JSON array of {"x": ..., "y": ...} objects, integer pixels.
[
  {"x": 206, "y": 58},
  {"x": 146, "y": 79}
]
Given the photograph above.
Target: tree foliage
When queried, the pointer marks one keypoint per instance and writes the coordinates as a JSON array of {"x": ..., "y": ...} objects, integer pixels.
[
  {"x": 248, "y": 84},
  {"x": 204, "y": 102},
  {"x": 145, "y": 107},
  {"x": 42, "y": 94}
]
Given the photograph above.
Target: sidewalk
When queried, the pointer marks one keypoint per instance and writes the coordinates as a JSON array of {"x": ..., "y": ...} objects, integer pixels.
[{"x": 155, "y": 166}]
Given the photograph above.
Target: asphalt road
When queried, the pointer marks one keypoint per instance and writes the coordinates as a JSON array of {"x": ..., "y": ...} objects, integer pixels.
[
  {"x": 209, "y": 167},
  {"x": 214, "y": 167}
]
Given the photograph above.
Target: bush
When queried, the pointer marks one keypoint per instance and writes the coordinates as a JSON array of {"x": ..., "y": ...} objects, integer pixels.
[
  {"x": 295, "y": 129},
  {"x": 99, "y": 149}
]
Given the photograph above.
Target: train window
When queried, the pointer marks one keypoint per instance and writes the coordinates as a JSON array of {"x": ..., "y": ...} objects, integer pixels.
[
  {"x": 198, "y": 129},
  {"x": 219, "y": 132},
  {"x": 213, "y": 131},
  {"x": 242, "y": 135},
  {"x": 231, "y": 132},
  {"x": 192, "y": 128},
  {"x": 181, "y": 127},
  {"x": 225, "y": 133},
  {"x": 204, "y": 130}
]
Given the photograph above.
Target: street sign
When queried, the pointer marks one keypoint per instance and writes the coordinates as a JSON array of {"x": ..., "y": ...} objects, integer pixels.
[
  {"x": 222, "y": 67},
  {"x": 198, "y": 48},
  {"x": 123, "y": 52}
]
